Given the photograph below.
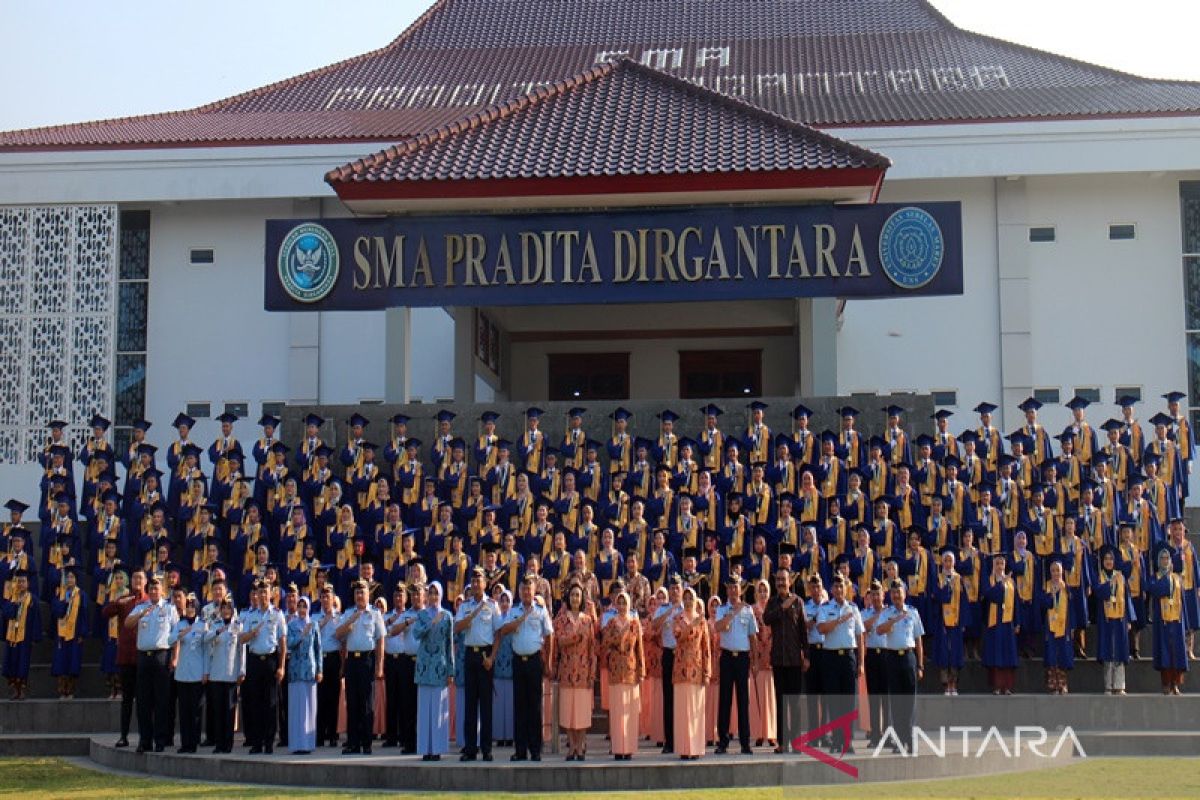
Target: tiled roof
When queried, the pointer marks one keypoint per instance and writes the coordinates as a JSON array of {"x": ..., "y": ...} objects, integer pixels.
[
  {"x": 823, "y": 62},
  {"x": 613, "y": 120}
]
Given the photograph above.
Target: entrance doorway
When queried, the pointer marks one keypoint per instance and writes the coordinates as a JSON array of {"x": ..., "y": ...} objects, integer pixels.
[{"x": 589, "y": 376}]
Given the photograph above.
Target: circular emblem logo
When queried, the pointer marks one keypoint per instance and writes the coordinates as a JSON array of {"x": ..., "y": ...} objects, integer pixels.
[
  {"x": 911, "y": 248},
  {"x": 308, "y": 263}
]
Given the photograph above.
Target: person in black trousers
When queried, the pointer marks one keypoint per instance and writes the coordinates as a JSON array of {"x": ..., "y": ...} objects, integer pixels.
[
  {"x": 784, "y": 615},
  {"x": 876, "y": 666},
  {"x": 529, "y": 624},
  {"x": 265, "y": 637},
  {"x": 664, "y": 619},
  {"x": 477, "y": 620},
  {"x": 329, "y": 690},
  {"x": 362, "y": 633},
  {"x": 153, "y": 620},
  {"x": 736, "y": 624}
]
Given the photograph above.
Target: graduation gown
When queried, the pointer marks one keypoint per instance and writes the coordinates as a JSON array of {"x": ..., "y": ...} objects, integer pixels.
[
  {"x": 1114, "y": 612},
  {"x": 22, "y": 621},
  {"x": 999, "y": 628},
  {"x": 1166, "y": 610},
  {"x": 1058, "y": 624},
  {"x": 950, "y": 604}
]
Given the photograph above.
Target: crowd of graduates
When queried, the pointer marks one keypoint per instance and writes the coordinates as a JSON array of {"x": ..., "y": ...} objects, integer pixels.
[{"x": 1008, "y": 545}]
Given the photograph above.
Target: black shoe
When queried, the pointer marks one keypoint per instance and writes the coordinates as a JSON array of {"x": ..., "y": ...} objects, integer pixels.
[
  {"x": 256, "y": 750},
  {"x": 186, "y": 750},
  {"x": 208, "y": 743},
  {"x": 758, "y": 742},
  {"x": 389, "y": 743},
  {"x": 746, "y": 751},
  {"x": 467, "y": 757},
  {"x": 366, "y": 751},
  {"x": 666, "y": 751},
  {"x": 721, "y": 750},
  {"x": 487, "y": 756},
  {"x": 122, "y": 742},
  {"x": 141, "y": 749},
  {"x": 269, "y": 750},
  {"x": 408, "y": 751},
  {"x": 535, "y": 758},
  {"x": 435, "y": 757},
  {"x": 350, "y": 751},
  {"x": 158, "y": 748},
  {"x": 517, "y": 757},
  {"x": 618, "y": 757},
  {"x": 849, "y": 751}
]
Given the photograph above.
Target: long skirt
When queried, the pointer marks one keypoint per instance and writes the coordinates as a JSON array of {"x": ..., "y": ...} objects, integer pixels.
[
  {"x": 623, "y": 712},
  {"x": 458, "y": 704},
  {"x": 711, "y": 694},
  {"x": 67, "y": 658},
  {"x": 651, "y": 719},
  {"x": 341, "y": 724},
  {"x": 433, "y": 720},
  {"x": 1170, "y": 646},
  {"x": 1060, "y": 653},
  {"x": 604, "y": 688},
  {"x": 548, "y": 709},
  {"x": 380, "y": 707},
  {"x": 574, "y": 708},
  {"x": 302, "y": 715},
  {"x": 502, "y": 709},
  {"x": 689, "y": 719},
  {"x": 762, "y": 705}
]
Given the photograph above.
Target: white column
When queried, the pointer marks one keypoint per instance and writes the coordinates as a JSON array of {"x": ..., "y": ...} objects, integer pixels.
[
  {"x": 1012, "y": 255},
  {"x": 397, "y": 355},
  {"x": 816, "y": 346},
  {"x": 464, "y": 354}
]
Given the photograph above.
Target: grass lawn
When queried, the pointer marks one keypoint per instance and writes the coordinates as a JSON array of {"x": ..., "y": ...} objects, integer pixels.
[{"x": 1093, "y": 778}]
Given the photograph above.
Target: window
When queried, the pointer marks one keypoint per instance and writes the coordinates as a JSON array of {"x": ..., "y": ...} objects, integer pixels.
[
  {"x": 239, "y": 410},
  {"x": 133, "y": 301},
  {"x": 1044, "y": 233},
  {"x": 1190, "y": 211},
  {"x": 198, "y": 410},
  {"x": 1089, "y": 393},
  {"x": 1122, "y": 232},
  {"x": 720, "y": 373},
  {"x": 945, "y": 397},
  {"x": 1046, "y": 397},
  {"x": 275, "y": 409},
  {"x": 201, "y": 256},
  {"x": 588, "y": 376},
  {"x": 1127, "y": 391},
  {"x": 370, "y": 401}
]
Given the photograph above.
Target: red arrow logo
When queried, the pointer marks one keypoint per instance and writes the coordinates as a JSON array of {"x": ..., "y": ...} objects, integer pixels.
[{"x": 845, "y": 724}]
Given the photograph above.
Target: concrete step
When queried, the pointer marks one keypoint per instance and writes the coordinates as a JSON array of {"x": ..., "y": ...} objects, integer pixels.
[
  {"x": 92, "y": 682},
  {"x": 1086, "y": 678},
  {"x": 59, "y": 716},
  {"x": 1175, "y": 744},
  {"x": 26, "y": 746},
  {"x": 1081, "y": 712}
]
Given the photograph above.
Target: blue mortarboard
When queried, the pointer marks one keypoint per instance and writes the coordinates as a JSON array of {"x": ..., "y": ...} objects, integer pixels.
[
  {"x": 400, "y": 419},
  {"x": 373, "y": 446},
  {"x": 1151, "y": 459},
  {"x": 1112, "y": 425},
  {"x": 877, "y": 441},
  {"x": 828, "y": 436},
  {"x": 592, "y": 444},
  {"x": 112, "y": 494},
  {"x": 313, "y": 419},
  {"x": 1030, "y": 404},
  {"x": 924, "y": 440},
  {"x": 1078, "y": 402},
  {"x": 757, "y": 405},
  {"x": 801, "y": 411},
  {"x": 1086, "y": 484},
  {"x": 412, "y": 443},
  {"x": 190, "y": 449},
  {"x": 227, "y": 417},
  {"x": 457, "y": 443},
  {"x": 942, "y": 413},
  {"x": 968, "y": 436},
  {"x": 641, "y": 442},
  {"x": 667, "y": 415},
  {"x": 1161, "y": 419},
  {"x": 1066, "y": 436},
  {"x": 183, "y": 419},
  {"x": 732, "y": 442},
  {"x": 60, "y": 450},
  {"x": 1127, "y": 400},
  {"x": 1174, "y": 397},
  {"x": 503, "y": 444},
  {"x": 893, "y": 410},
  {"x": 1101, "y": 458},
  {"x": 621, "y": 413},
  {"x": 1005, "y": 460},
  {"x": 322, "y": 450},
  {"x": 1135, "y": 479},
  {"x": 444, "y": 415},
  {"x": 56, "y": 424},
  {"x": 146, "y": 449},
  {"x": 848, "y": 411},
  {"x": 952, "y": 461},
  {"x": 268, "y": 419},
  {"x": 16, "y": 506},
  {"x": 533, "y": 412},
  {"x": 784, "y": 439},
  {"x": 711, "y": 410},
  {"x": 684, "y": 440},
  {"x": 576, "y": 412},
  {"x": 279, "y": 447},
  {"x": 358, "y": 419},
  {"x": 98, "y": 421},
  {"x": 1018, "y": 437},
  {"x": 142, "y": 425},
  {"x": 985, "y": 408},
  {"x": 487, "y": 416}
]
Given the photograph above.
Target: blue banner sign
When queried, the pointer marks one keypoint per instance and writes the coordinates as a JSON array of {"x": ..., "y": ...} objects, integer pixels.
[{"x": 638, "y": 256}]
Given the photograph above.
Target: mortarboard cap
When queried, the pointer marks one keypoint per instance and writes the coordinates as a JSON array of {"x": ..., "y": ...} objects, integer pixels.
[
  {"x": 1106, "y": 550},
  {"x": 56, "y": 424},
  {"x": 533, "y": 412},
  {"x": 787, "y": 549},
  {"x": 968, "y": 436},
  {"x": 732, "y": 442},
  {"x": 1065, "y": 436},
  {"x": 924, "y": 440},
  {"x": 1005, "y": 460},
  {"x": 358, "y": 419},
  {"x": 1127, "y": 400},
  {"x": 1078, "y": 402},
  {"x": 985, "y": 408},
  {"x": 1152, "y": 459},
  {"x": 828, "y": 436},
  {"x": 667, "y": 415},
  {"x": 227, "y": 417},
  {"x": 183, "y": 419},
  {"x": 942, "y": 413},
  {"x": 98, "y": 421},
  {"x": 412, "y": 443},
  {"x": 280, "y": 448},
  {"x": 268, "y": 420},
  {"x": 1030, "y": 404},
  {"x": 444, "y": 415},
  {"x": 1112, "y": 425},
  {"x": 142, "y": 425},
  {"x": 949, "y": 548},
  {"x": 848, "y": 411},
  {"x": 757, "y": 405},
  {"x": 323, "y": 450},
  {"x": 113, "y": 495},
  {"x": 951, "y": 461},
  {"x": 487, "y": 416},
  {"x": 801, "y": 411},
  {"x": 621, "y": 413},
  {"x": 457, "y": 443},
  {"x": 314, "y": 420},
  {"x": 1174, "y": 397},
  {"x": 893, "y": 410},
  {"x": 16, "y": 506},
  {"x": 400, "y": 419},
  {"x": 1161, "y": 419},
  {"x": 691, "y": 552},
  {"x": 576, "y": 412},
  {"x": 60, "y": 450},
  {"x": 711, "y": 410}
]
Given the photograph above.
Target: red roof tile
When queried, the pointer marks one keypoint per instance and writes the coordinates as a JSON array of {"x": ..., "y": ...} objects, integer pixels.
[
  {"x": 824, "y": 62},
  {"x": 613, "y": 120}
]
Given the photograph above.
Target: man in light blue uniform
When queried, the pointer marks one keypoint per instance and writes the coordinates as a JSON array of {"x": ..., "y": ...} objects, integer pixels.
[
  {"x": 329, "y": 692},
  {"x": 736, "y": 624},
  {"x": 479, "y": 617},
  {"x": 843, "y": 655},
  {"x": 393, "y": 651},
  {"x": 362, "y": 633},
  {"x": 876, "y": 666},
  {"x": 265, "y": 637},
  {"x": 408, "y": 668},
  {"x": 154, "y": 620},
  {"x": 814, "y": 705},
  {"x": 664, "y": 623},
  {"x": 901, "y": 625},
  {"x": 529, "y": 624}
]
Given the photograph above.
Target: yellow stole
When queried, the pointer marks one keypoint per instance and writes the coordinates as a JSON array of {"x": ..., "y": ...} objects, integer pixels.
[
  {"x": 1056, "y": 615},
  {"x": 114, "y": 623},
  {"x": 10, "y": 585},
  {"x": 916, "y": 582},
  {"x": 67, "y": 622},
  {"x": 1025, "y": 582},
  {"x": 868, "y": 573},
  {"x": 621, "y": 463},
  {"x": 1007, "y": 607},
  {"x": 15, "y": 633},
  {"x": 970, "y": 582},
  {"x": 1114, "y": 606},
  {"x": 296, "y": 554},
  {"x": 1171, "y": 606},
  {"x": 877, "y": 485},
  {"x": 951, "y": 608},
  {"x": 1130, "y": 553}
]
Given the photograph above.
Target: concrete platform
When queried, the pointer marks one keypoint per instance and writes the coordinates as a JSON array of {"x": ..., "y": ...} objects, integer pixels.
[
  {"x": 1086, "y": 678},
  {"x": 647, "y": 771},
  {"x": 27, "y": 746},
  {"x": 60, "y": 716},
  {"x": 1082, "y": 712},
  {"x": 1174, "y": 744}
]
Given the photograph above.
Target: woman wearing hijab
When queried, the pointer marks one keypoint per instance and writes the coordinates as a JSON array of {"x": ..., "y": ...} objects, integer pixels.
[
  {"x": 622, "y": 643},
  {"x": 225, "y": 668},
  {"x": 187, "y": 660},
  {"x": 305, "y": 664},
  {"x": 693, "y": 663},
  {"x": 502, "y": 677},
  {"x": 434, "y": 674}
]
